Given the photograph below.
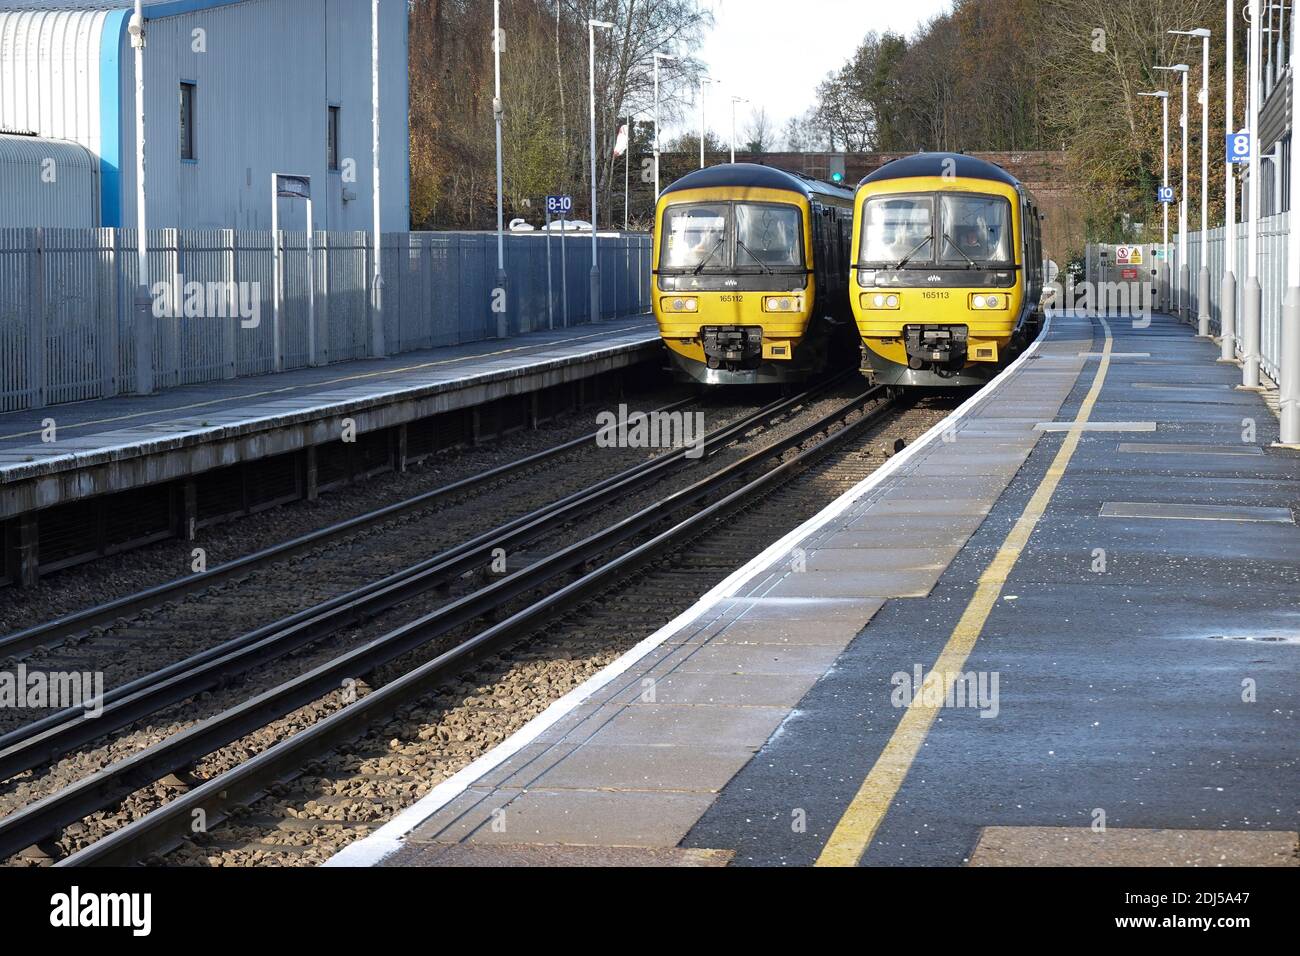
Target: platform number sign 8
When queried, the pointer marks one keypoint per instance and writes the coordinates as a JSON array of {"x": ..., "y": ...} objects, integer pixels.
[
  {"x": 1165, "y": 194},
  {"x": 1239, "y": 147},
  {"x": 559, "y": 205}
]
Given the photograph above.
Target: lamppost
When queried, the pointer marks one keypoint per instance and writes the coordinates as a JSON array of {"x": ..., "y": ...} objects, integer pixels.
[
  {"x": 705, "y": 80},
  {"x": 1163, "y": 96},
  {"x": 1184, "y": 273},
  {"x": 1254, "y": 296},
  {"x": 1203, "y": 277},
  {"x": 658, "y": 58},
  {"x": 498, "y": 110},
  {"x": 734, "y": 101},
  {"x": 592, "y": 26},
  {"x": 144, "y": 322},
  {"x": 378, "y": 346},
  {"x": 1290, "y": 383},
  {"x": 1228, "y": 292}
]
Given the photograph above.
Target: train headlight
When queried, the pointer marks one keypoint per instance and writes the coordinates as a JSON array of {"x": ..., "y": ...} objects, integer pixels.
[
  {"x": 983, "y": 302},
  {"x": 782, "y": 303},
  {"x": 879, "y": 300},
  {"x": 680, "y": 304}
]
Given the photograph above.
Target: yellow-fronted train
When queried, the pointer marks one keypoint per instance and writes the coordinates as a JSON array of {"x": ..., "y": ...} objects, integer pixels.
[
  {"x": 751, "y": 275},
  {"x": 948, "y": 270}
]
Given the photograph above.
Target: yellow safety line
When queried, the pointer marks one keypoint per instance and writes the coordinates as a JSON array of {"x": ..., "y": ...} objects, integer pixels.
[
  {"x": 333, "y": 381},
  {"x": 857, "y": 828}
]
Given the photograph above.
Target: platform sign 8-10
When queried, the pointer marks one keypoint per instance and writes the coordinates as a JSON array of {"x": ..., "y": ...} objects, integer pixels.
[
  {"x": 1239, "y": 147},
  {"x": 559, "y": 205}
]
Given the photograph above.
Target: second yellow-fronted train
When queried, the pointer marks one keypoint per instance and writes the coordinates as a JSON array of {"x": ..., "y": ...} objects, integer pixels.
[
  {"x": 947, "y": 270},
  {"x": 751, "y": 274}
]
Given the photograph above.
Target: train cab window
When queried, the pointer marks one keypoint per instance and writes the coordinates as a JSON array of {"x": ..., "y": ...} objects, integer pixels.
[
  {"x": 726, "y": 236},
  {"x": 976, "y": 228},
  {"x": 768, "y": 235},
  {"x": 898, "y": 228},
  {"x": 695, "y": 237}
]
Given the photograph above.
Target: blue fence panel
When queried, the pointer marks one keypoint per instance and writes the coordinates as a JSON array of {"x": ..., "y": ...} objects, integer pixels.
[{"x": 69, "y": 330}]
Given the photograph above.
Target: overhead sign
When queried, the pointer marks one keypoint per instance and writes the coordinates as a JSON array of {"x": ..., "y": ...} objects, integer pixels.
[
  {"x": 293, "y": 187},
  {"x": 1165, "y": 194},
  {"x": 1239, "y": 147},
  {"x": 559, "y": 205}
]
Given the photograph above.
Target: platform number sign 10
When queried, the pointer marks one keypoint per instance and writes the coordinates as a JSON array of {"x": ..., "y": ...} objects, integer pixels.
[
  {"x": 559, "y": 205},
  {"x": 1165, "y": 194},
  {"x": 1239, "y": 147}
]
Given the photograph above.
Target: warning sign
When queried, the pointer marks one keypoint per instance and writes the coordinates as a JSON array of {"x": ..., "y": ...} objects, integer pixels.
[
  {"x": 1128, "y": 275},
  {"x": 1135, "y": 256},
  {"x": 1128, "y": 256}
]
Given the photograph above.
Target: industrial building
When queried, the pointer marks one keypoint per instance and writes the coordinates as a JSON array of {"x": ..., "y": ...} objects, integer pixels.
[{"x": 235, "y": 91}]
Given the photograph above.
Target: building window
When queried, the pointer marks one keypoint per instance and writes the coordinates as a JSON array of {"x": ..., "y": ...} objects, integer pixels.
[
  {"x": 187, "y": 122},
  {"x": 333, "y": 146}
]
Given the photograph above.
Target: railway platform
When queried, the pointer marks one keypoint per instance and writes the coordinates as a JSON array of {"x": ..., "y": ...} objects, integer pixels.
[
  {"x": 66, "y": 455},
  {"x": 1061, "y": 628}
]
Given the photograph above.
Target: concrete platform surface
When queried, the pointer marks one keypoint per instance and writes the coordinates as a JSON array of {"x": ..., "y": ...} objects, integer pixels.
[
  {"x": 120, "y": 443},
  {"x": 1130, "y": 672}
]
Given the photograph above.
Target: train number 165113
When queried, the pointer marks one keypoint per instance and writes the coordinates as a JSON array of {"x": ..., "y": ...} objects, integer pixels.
[{"x": 933, "y": 294}]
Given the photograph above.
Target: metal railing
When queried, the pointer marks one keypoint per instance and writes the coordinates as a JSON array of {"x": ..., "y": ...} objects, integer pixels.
[
  {"x": 68, "y": 327},
  {"x": 1273, "y": 232}
]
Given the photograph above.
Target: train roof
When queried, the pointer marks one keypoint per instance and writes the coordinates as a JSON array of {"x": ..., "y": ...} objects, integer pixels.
[
  {"x": 932, "y": 164},
  {"x": 755, "y": 176}
]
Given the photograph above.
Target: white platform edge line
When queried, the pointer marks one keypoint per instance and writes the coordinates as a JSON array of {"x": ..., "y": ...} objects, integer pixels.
[{"x": 388, "y": 839}]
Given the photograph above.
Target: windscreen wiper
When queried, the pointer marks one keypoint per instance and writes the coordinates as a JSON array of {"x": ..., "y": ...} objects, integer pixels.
[
  {"x": 705, "y": 261},
  {"x": 915, "y": 249},
  {"x": 973, "y": 263},
  {"x": 761, "y": 264}
]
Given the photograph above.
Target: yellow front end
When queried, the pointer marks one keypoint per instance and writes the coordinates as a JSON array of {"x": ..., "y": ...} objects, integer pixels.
[
  {"x": 931, "y": 303},
  {"x": 690, "y": 312}
]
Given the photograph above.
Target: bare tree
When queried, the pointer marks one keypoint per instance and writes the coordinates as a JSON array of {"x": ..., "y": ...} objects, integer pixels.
[
  {"x": 758, "y": 131},
  {"x": 546, "y": 120}
]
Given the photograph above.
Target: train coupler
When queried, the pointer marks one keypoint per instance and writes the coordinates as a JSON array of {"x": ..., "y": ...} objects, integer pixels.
[
  {"x": 732, "y": 346},
  {"x": 935, "y": 346}
]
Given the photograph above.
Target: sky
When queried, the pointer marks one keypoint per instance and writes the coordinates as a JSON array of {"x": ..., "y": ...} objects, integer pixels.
[{"x": 775, "y": 52}]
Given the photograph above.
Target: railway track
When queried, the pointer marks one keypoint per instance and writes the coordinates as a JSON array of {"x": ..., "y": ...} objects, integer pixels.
[
  {"x": 60, "y": 734},
  {"x": 65, "y": 627},
  {"x": 197, "y": 616}
]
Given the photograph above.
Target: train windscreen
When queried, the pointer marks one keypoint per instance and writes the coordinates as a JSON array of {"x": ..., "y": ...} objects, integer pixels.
[
  {"x": 731, "y": 237},
  {"x": 976, "y": 229},
  {"x": 695, "y": 236},
  {"x": 897, "y": 229},
  {"x": 972, "y": 230},
  {"x": 767, "y": 236}
]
